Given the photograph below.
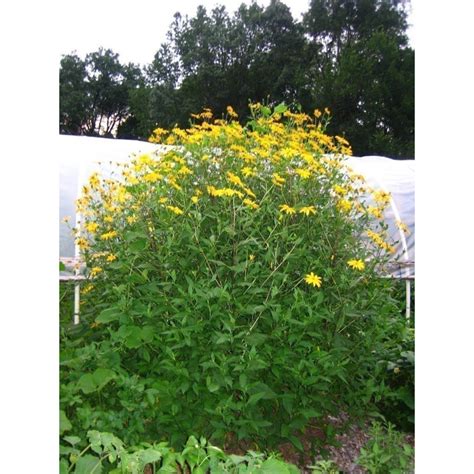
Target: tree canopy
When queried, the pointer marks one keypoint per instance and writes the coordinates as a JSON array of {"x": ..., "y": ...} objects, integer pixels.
[{"x": 351, "y": 56}]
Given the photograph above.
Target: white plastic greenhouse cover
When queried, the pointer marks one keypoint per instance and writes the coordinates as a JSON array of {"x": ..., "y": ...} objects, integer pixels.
[
  {"x": 81, "y": 156},
  {"x": 396, "y": 177}
]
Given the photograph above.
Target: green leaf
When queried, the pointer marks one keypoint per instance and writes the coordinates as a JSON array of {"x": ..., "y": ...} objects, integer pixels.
[
  {"x": 211, "y": 385},
  {"x": 63, "y": 466},
  {"x": 385, "y": 458},
  {"x": 296, "y": 442},
  {"x": 280, "y": 108},
  {"x": 67, "y": 450},
  {"x": 62, "y": 267},
  {"x": 223, "y": 338},
  {"x": 255, "y": 398},
  {"x": 88, "y": 464},
  {"x": 138, "y": 245},
  {"x": 108, "y": 315},
  {"x": 409, "y": 356},
  {"x": 134, "y": 337},
  {"x": 243, "y": 381},
  {"x": 406, "y": 396},
  {"x": 131, "y": 236},
  {"x": 102, "y": 377},
  {"x": 73, "y": 440},
  {"x": 255, "y": 339},
  {"x": 150, "y": 456},
  {"x": 236, "y": 459},
  {"x": 147, "y": 334},
  {"x": 64, "y": 423},
  {"x": 95, "y": 441},
  {"x": 274, "y": 466},
  {"x": 86, "y": 383},
  {"x": 310, "y": 413},
  {"x": 89, "y": 383}
]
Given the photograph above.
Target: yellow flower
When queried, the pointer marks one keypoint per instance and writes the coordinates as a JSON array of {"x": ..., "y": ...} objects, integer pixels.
[
  {"x": 206, "y": 114},
  {"x": 356, "y": 264},
  {"x": 152, "y": 177},
  {"x": 87, "y": 288},
  {"x": 246, "y": 171},
  {"x": 342, "y": 140},
  {"x": 132, "y": 219},
  {"x": 144, "y": 159},
  {"x": 238, "y": 148},
  {"x": 231, "y": 112},
  {"x": 317, "y": 113},
  {"x": 381, "y": 197},
  {"x": 313, "y": 279},
  {"x": 305, "y": 174},
  {"x": 195, "y": 199},
  {"x": 97, "y": 255},
  {"x": 227, "y": 192},
  {"x": 234, "y": 179},
  {"x": 378, "y": 240},
  {"x": 249, "y": 192},
  {"x": 111, "y": 258},
  {"x": 157, "y": 134},
  {"x": 403, "y": 227},
  {"x": 339, "y": 190},
  {"x": 212, "y": 190},
  {"x": 251, "y": 258},
  {"x": 82, "y": 243},
  {"x": 108, "y": 235},
  {"x": 250, "y": 203},
  {"x": 307, "y": 210},
  {"x": 375, "y": 211},
  {"x": 95, "y": 271},
  {"x": 94, "y": 180},
  {"x": 277, "y": 179},
  {"x": 287, "y": 209},
  {"x": 184, "y": 170},
  {"x": 172, "y": 181},
  {"x": 162, "y": 200},
  {"x": 179, "y": 133},
  {"x": 92, "y": 227},
  {"x": 175, "y": 209},
  {"x": 344, "y": 205}
]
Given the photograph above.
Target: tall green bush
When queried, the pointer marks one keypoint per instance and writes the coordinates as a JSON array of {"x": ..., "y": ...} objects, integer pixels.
[{"x": 234, "y": 287}]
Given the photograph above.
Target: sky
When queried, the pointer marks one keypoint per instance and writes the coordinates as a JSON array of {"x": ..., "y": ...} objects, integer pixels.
[{"x": 136, "y": 33}]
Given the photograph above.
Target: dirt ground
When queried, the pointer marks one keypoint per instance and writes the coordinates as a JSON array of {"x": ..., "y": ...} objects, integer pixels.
[{"x": 344, "y": 453}]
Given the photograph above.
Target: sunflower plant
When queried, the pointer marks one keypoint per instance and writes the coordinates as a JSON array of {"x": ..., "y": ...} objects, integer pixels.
[{"x": 235, "y": 287}]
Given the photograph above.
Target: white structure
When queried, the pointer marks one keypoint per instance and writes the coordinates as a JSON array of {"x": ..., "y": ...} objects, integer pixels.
[
  {"x": 396, "y": 177},
  {"x": 81, "y": 156}
]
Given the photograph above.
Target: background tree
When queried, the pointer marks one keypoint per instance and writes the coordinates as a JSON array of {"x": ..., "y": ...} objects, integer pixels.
[
  {"x": 73, "y": 97},
  {"x": 95, "y": 93},
  {"x": 351, "y": 56},
  {"x": 364, "y": 72}
]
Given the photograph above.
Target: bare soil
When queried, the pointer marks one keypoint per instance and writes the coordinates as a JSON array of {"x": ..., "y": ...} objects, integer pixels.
[{"x": 343, "y": 452}]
